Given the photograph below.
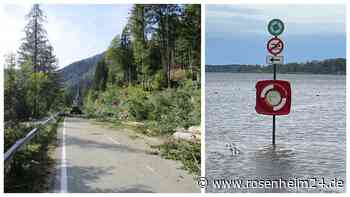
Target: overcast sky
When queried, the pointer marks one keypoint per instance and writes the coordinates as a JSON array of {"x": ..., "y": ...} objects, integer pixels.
[
  {"x": 75, "y": 31},
  {"x": 238, "y": 33}
]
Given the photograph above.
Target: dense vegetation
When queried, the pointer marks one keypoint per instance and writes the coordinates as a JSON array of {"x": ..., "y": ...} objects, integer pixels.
[
  {"x": 151, "y": 72},
  {"x": 32, "y": 91},
  {"x": 328, "y": 66}
]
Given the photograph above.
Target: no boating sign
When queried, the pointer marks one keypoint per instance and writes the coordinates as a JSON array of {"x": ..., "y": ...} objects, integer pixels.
[
  {"x": 273, "y": 97},
  {"x": 275, "y": 46}
]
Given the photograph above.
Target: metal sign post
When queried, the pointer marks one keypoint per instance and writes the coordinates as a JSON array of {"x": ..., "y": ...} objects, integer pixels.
[
  {"x": 274, "y": 116},
  {"x": 275, "y": 47},
  {"x": 275, "y": 27}
]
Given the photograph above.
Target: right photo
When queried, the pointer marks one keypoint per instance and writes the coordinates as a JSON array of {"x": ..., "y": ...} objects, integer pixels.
[{"x": 275, "y": 89}]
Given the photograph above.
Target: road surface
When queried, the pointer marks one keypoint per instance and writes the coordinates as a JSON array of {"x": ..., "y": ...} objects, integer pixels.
[{"x": 96, "y": 158}]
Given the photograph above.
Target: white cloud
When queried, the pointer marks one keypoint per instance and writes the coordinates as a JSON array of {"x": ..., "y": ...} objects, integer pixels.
[{"x": 299, "y": 19}]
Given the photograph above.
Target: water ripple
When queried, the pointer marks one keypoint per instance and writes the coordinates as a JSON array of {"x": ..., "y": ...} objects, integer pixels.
[{"x": 310, "y": 140}]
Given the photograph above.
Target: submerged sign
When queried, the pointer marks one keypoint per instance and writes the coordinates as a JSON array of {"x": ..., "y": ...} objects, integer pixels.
[{"x": 273, "y": 97}]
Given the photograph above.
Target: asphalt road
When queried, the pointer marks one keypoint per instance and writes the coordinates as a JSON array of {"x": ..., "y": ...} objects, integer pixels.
[{"x": 96, "y": 158}]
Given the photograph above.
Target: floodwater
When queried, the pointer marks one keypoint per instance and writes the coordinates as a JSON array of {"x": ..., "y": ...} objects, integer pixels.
[{"x": 310, "y": 146}]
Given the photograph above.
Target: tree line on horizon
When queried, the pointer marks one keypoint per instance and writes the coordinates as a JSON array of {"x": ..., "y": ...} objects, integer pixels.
[{"x": 327, "y": 66}]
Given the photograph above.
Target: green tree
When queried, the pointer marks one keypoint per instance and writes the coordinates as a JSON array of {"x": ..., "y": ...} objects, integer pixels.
[
  {"x": 190, "y": 36},
  {"x": 100, "y": 78},
  {"x": 112, "y": 58},
  {"x": 36, "y": 53},
  {"x": 163, "y": 20},
  {"x": 10, "y": 92},
  {"x": 126, "y": 56},
  {"x": 137, "y": 25},
  {"x": 120, "y": 59},
  {"x": 35, "y": 45}
]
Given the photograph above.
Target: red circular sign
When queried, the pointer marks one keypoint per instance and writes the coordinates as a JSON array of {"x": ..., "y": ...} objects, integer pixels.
[
  {"x": 275, "y": 46},
  {"x": 273, "y": 97}
]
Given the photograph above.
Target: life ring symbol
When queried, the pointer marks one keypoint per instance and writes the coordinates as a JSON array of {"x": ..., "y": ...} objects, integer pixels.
[{"x": 275, "y": 96}]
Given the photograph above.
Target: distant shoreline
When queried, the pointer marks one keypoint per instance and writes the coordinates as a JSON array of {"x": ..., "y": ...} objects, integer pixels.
[
  {"x": 335, "y": 66},
  {"x": 299, "y": 73}
]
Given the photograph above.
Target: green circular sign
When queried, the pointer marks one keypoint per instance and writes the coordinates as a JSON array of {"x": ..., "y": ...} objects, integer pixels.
[{"x": 275, "y": 27}]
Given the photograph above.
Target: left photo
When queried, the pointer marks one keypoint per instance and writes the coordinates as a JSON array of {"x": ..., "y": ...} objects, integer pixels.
[{"x": 102, "y": 98}]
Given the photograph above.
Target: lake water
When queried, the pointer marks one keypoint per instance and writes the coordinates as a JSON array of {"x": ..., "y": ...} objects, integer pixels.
[{"x": 310, "y": 141}]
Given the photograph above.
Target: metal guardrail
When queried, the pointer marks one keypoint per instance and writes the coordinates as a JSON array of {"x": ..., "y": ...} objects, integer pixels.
[{"x": 23, "y": 141}]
